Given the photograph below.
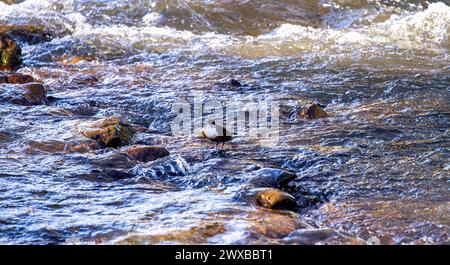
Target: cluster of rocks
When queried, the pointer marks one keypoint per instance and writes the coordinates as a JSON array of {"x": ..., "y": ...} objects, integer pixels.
[
  {"x": 274, "y": 197},
  {"x": 22, "y": 89},
  {"x": 268, "y": 182},
  {"x": 11, "y": 36},
  {"x": 267, "y": 187},
  {"x": 115, "y": 132},
  {"x": 19, "y": 88}
]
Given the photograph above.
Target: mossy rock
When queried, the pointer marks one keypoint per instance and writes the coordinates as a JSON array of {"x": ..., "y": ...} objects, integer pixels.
[
  {"x": 110, "y": 132},
  {"x": 10, "y": 53}
]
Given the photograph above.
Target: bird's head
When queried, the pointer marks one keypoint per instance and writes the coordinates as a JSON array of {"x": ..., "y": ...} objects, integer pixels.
[{"x": 211, "y": 121}]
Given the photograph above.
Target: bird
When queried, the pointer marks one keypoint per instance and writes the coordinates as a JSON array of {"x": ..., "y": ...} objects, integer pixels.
[{"x": 216, "y": 133}]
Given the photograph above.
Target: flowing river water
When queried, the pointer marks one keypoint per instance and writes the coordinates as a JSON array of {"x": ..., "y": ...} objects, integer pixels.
[{"x": 378, "y": 166}]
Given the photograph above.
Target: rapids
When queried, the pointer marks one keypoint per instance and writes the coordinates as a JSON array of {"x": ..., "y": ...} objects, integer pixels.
[{"x": 378, "y": 166}]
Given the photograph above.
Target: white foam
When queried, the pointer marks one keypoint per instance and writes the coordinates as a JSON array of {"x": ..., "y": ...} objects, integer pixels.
[{"x": 428, "y": 29}]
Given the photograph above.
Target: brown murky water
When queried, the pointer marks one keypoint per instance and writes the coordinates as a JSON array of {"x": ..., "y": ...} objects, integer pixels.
[{"x": 378, "y": 166}]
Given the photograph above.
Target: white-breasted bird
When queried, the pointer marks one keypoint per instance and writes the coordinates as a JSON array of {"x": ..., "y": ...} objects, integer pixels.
[{"x": 216, "y": 133}]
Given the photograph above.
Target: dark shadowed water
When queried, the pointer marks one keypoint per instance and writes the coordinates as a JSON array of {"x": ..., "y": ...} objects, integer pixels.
[{"x": 378, "y": 166}]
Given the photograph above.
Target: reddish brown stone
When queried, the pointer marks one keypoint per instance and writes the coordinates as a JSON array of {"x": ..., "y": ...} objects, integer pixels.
[
  {"x": 147, "y": 153},
  {"x": 313, "y": 111},
  {"x": 275, "y": 224},
  {"x": 275, "y": 199},
  {"x": 16, "y": 78}
]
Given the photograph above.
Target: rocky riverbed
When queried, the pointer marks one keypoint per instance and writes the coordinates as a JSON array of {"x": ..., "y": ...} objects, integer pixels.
[{"x": 87, "y": 154}]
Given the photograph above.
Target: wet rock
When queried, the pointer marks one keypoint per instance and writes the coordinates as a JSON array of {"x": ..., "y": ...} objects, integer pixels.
[
  {"x": 195, "y": 235},
  {"x": 147, "y": 139},
  {"x": 107, "y": 174},
  {"x": 147, "y": 153},
  {"x": 313, "y": 111},
  {"x": 110, "y": 132},
  {"x": 167, "y": 168},
  {"x": 321, "y": 236},
  {"x": 85, "y": 146},
  {"x": 275, "y": 224},
  {"x": 235, "y": 83},
  {"x": 231, "y": 83},
  {"x": 54, "y": 146},
  {"x": 6, "y": 136},
  {"x": 36, "y": 93},
  {"x": 112, "y": 136},
  {"x": 15, "y": 78},
  {"x": 275, "y": 199},
  {"x": 108, "y": 121},
  {"x": 113, "y": 160},
  {"x": 10, "y": 2},
  {"x": 76, "y": 59},
  {"x": 26, "y": 33},
  {"x": 84, "y": 79},
  {"x": 272, "y": 177},
  {"x": 10, "y": 53},
  {"x": 24, "y": 94}
]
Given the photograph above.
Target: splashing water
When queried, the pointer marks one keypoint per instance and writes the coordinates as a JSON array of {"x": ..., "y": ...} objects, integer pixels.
[{"x": 378, "y": 166}]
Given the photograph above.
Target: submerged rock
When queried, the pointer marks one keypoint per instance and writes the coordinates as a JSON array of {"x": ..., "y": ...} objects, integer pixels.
[
  {"x": 147, "y": 153},
  {"x": 230, "y": 83},
  {"x": 107, "y": 174},
  {"x": 272, "y": 177},
  {"x": 113, "y": 160},
  {"x": 110, "y": 132},
  {"x": 84, "y": 79},
  {"x": 36, "y": 93},
  {"x": 167, "y": 168},
  {"x": 54, "y": 146},
  {"x": 85, "y": 146},
  {"x": 15, "y": 78},
  {"x": 275, "y": 224},
  {"x": 26, "y": 33},
  {"x": 235, "y": 83},
  {"x": 21, "y": 89},
  {"x": 6, "y": 136},
  {"x": 313, "y": 236},
  {"x": 10, "y": 53},
  {"x": 275, "y": 199},
  {"x": 313, "y": 111},
  {"x": 195, "y": 235},
  {"x": 24, "y": 94}
]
